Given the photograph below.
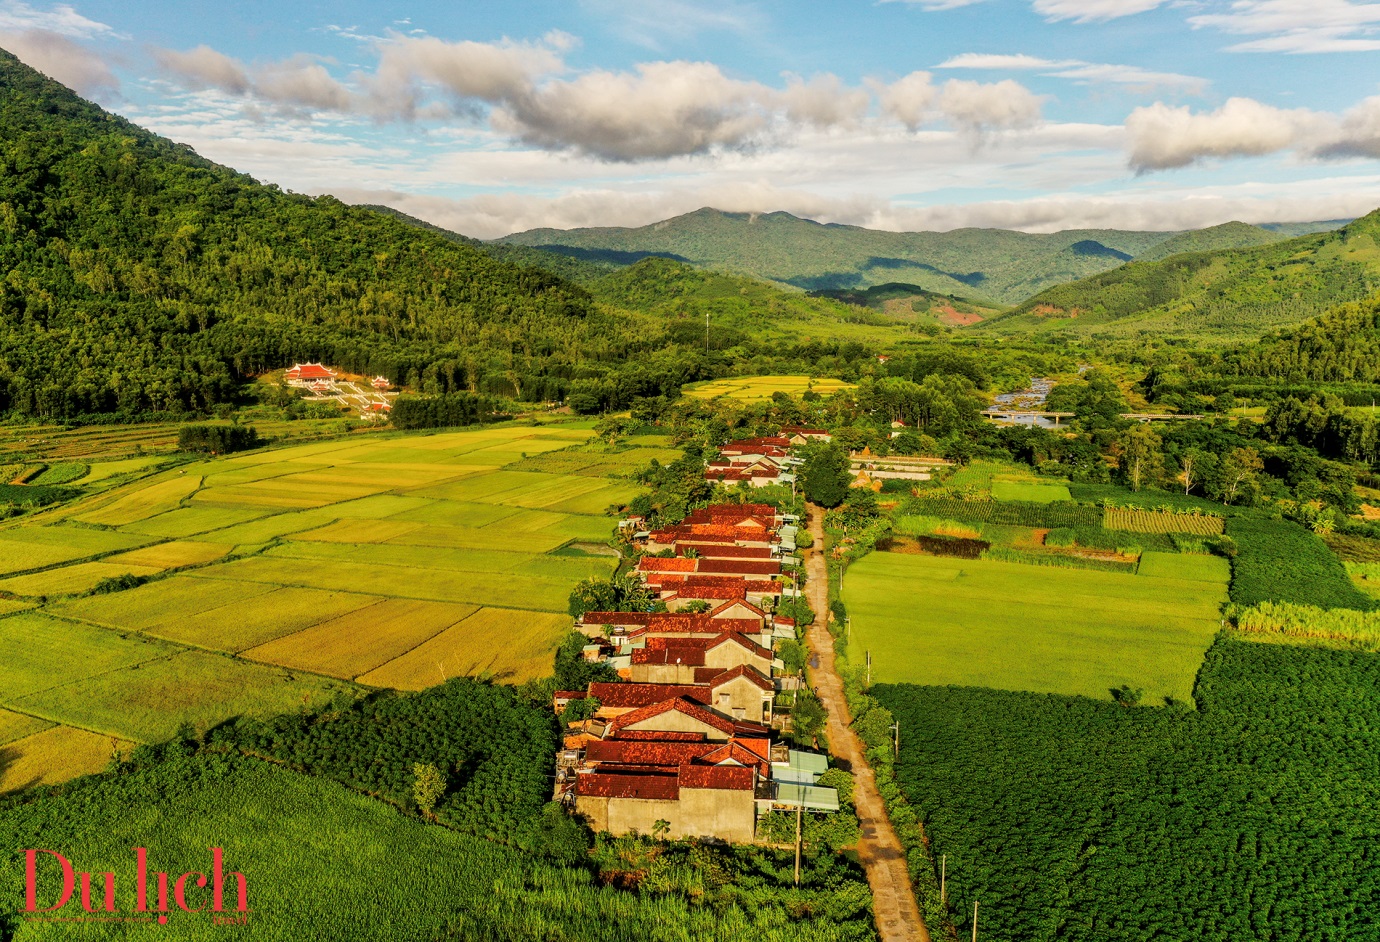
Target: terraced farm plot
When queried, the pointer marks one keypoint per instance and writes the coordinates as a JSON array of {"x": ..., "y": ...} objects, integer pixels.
[
  {"x": 235, "y": 626},
  {"x": 357, "y": 643},
  {"x": 17, "y": 725},
  {"x": 272, "y": 528},
  {"x": 192, "y": 521},
  {"x": 146, "y": 500},
  {"x": 1030, "y": 492},
  {"x": 529, "y": 641},
  {"x": 148, "y": 702},
  {"x": 1159, "y": 521},
  {"x": 1191, "y": 567},
  {"x": 178, "y": 597},
  {"x": 483, "y": 538},
  {"x": 359, "y": 531},
  {"x": 172, "y": 555},
  {"x": 55, "y": 755},
  {"x": 71, "y": 580},
  {"x": 34, "y": 547},
  {"x": 457, "y": 513},
  {"x": 479, "y": 588},
  {"x": 758, "y": 388},
  {"x": 597, "y": 501},
  {"x": 937, "y": 621},
  {"x": 43, "y": 652}
]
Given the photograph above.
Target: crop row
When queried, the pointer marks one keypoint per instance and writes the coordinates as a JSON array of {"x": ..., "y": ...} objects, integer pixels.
[
  {"x": 1160, "y": 521},
  {"x": 1009, "y": 513}
]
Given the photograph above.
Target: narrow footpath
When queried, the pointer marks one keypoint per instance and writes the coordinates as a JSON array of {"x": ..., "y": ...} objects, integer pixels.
[{"x": 893, "y": 897}]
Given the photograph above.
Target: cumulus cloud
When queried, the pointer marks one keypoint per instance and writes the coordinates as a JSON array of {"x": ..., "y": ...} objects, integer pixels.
[
  {"x": 81, "y": 69},
  {"x": 294, "y": 84},
  {"x": 979, "y": 108},
  {"x": 1076, "y": 70},
  {"x": 823, "y": 101},
  {"x": 908, "y": 100},
  {"x": 663, "y": 109},
  {"x": 1357, "y": 135},
  {"x": 1161, "y": 137},
  {"x": 1298, "y": 26},
  {"x": 465, "y": 71}
]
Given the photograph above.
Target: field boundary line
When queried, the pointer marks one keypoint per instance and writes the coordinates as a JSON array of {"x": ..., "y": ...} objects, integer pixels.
[{"x": 879, "y": 850}]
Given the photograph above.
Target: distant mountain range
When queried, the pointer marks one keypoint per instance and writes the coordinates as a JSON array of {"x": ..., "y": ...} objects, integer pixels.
[
  {"x": 1219, "y": 295},
  {"x": 994, "y": 265}
]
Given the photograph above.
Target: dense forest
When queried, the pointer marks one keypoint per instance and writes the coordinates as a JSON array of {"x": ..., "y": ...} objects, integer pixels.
[
  {"x": 1073, "y": 819},
  {"x": 140, "y": 277}
]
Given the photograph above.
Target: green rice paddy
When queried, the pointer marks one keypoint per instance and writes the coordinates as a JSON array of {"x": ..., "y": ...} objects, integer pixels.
[
  {"x": 277, "y": 577},
  {"x": 980, "y": 623}
]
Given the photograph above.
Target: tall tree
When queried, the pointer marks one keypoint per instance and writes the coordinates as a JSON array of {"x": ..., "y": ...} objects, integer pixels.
[{"x": 825, "y": 474}]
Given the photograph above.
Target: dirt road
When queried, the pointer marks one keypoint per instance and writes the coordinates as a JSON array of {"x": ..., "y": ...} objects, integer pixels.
[{"x": 898, "y": 916}]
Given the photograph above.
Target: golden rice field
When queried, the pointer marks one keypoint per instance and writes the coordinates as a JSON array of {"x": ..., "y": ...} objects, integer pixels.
[
  {"x": 278, "y": 578},
  {"x": 757, "y": 388}
]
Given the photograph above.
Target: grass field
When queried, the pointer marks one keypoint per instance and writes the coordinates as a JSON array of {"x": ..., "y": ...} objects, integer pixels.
[
  {"x": 16, "y": 726},
  {"x": 1194, "y": 568},
  {"x": 981, "y": 623},
  {"x": 757, "y": 388},
  {"x": 384, "y": 559}
]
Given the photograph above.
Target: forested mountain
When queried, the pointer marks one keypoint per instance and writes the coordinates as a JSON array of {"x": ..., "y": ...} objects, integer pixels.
[
  {"x": 983, "y": 264},
  {"x": 140, "y": 277},
  {"x": 577, "y": 270},
  {"x": 1217, "y": 296},
  {"x": 901, "y": 299},
  {"x": 1342, "y": 346},
  {"x": 1229, "y": 235}
]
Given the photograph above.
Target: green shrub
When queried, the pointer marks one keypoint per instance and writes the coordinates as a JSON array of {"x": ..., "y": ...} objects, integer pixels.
[{"x": 1280, "y": 561}]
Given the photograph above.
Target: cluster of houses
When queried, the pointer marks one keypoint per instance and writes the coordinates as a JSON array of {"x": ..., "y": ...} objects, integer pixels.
[
  {"x": 684, "y": 744},
  {"x": 369, "y": 398},
  {"x": 759, "y": 462}
]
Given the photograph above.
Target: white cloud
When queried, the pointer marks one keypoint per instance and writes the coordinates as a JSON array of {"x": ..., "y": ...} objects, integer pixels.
[
  {"x": 81, "y": 69},
  {"x": 1000, "y": 106},
  {"x": 1093, "y": 11},
  {"x": 294, "y": 84},
  {"x": 1076, "y": 70},
  {"x": 1161, "y": 137},
  {"x": 1357, "y": 135},
  {"x": 1298, "y": 26},
  {"x": 823, "y": 101},
  {"x": 16, "y": 16},
  {"x": 907, "y": 100},
  {"x": 664, "y": 109}
]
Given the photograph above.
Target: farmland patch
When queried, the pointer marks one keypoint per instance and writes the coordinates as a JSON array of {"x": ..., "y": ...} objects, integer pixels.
[{"x": 529, "y": 642}]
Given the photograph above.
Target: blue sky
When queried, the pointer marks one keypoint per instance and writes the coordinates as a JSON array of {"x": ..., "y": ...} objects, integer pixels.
[{"x": 492, "y": 117}]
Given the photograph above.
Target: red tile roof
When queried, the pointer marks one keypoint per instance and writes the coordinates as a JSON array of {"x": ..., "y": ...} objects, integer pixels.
[
  {"x": 657, "y": 564},
  {"x": 659, "y": 735},
  {"x": 706, "y": 593},
  {"x": 614, "y": 785},
  {"x": 733, "y": 751},
  {"x": 645, "y": 752},
  {"x": 719, "y": 777},
  {"x": 744, "y": 567},
  {"x": 742, "y": 603},
  {"x": 686, "y": 656},
  {"x": 618, "y": 695},
  {"x": 713, "y": 551},
  {"x": 743, "y": 670},
  {"x": 679, "y": 705}
]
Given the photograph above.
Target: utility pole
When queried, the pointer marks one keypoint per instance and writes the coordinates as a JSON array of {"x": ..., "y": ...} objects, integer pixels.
[
  {"x": 706, "y": 333},
  {"x": 974, "y": 920},
  {"x": 943, "y": 880},
  {"x": 848, "y": 628},
  {"x": 896, "y": 728},
  {"x": 869, "y": 670},
  {"x": 799, "y": 814}
]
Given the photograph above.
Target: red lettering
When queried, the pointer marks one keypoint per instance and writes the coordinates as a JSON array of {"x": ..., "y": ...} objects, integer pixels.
[
  {"x": 31, "y": 881},
  {"x": 180, "y": 891},
  {"x": 162, "y": 899},
  {"x": 218, "y": 884},
  {"x": 109, "y": 892},
  {"x": 141, "y": 896}
]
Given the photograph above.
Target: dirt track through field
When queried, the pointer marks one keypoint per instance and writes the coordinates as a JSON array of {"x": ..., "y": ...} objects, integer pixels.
[{"x": 893, "y": 897}]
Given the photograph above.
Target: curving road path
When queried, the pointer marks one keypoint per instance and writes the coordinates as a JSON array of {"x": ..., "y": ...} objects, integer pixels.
[{"x": 893, "y": 897}]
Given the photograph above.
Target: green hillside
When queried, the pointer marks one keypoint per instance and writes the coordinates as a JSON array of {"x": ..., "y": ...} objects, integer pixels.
[
  {"x": 139, "y": 277},
  {"x": 900, "y": 299},
  {"x": 1341, "y": 346},
  {"x": 1229, "y": 235},
  {"x": 1216, "y": 296},
  {"x": 742, "y": 309},
  {"x": 577, "y": 270},
  {"x": 986, "y": 264}
]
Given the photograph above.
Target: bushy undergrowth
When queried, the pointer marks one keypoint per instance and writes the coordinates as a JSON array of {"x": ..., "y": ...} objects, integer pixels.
[{"x": 1280, "y": 561}]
